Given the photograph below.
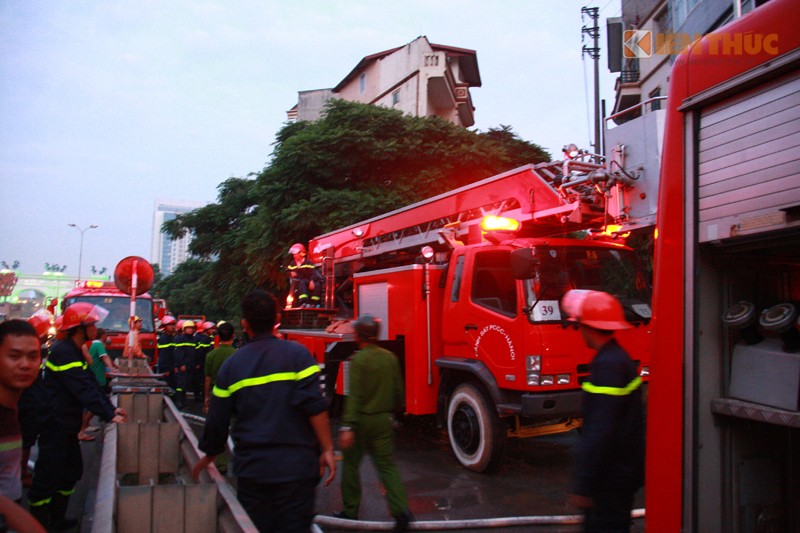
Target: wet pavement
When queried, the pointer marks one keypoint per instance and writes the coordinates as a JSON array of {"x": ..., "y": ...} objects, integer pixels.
[{"x": 533, "y": 480}]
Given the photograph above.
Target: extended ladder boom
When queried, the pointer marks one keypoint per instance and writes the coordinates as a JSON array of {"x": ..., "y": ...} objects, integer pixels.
[{"x": 548, "y": 198}]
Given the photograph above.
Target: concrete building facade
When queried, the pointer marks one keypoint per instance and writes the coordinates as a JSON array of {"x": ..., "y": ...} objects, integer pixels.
[
  {"x": 672, "y": 25},
  {"x": 419, "y": 78}
]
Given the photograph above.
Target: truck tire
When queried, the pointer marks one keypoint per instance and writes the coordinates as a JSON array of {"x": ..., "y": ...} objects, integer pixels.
[{"x": 477, "y": 435}]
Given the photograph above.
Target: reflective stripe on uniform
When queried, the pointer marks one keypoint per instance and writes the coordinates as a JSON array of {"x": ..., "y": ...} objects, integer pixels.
[
  {"x": 162, "y": 346},
  {"x": 76, "y": 364},
  {"x": 39, "y": 503},
  {"x": 613, "y": 391},
  {"x": 263, "y": 380},
  {"x": 15, "y": 444},
  {"x": 193, "y": 344},
  {"x": 69, "y": 492}
]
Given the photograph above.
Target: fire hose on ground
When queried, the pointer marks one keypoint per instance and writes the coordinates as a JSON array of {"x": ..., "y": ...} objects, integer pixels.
[{"x": 440, "y": 525}]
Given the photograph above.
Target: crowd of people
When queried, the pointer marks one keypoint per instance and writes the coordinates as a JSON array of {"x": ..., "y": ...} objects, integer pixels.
[{"x": 265, "y": 393}]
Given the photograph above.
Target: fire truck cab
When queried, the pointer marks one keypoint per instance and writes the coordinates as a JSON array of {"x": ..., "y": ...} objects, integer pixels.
[
  {"x": 470, "y": 305},
  {"x": 118, "y": 304}
]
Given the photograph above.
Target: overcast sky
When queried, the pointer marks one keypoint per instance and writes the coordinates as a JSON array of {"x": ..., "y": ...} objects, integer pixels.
[{"x": 107, "y": 105}]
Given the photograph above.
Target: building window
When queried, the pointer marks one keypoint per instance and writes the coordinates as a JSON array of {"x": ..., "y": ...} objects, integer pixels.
[
  {"x": 396, "y": 97},
  {"x": 656, "y": 104},
  {"x": 362, "y": 83}
]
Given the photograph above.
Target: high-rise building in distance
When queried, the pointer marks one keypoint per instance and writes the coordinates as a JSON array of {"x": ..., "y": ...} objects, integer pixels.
[{"x": 165, "y": 251}]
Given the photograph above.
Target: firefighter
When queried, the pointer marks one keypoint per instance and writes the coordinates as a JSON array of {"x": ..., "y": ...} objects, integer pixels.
[
  {"x": 376, "y": 392},
  {"x": 203, "y": 345},
  {"x": 270, "y": 390},
  {"x": 166, "y": 349},
  {"x": 184, "y": 361},
  {"x": 306, "y": 281},
  {"x": 68, "y": 388},
  {"x": 610, "y": 454}
]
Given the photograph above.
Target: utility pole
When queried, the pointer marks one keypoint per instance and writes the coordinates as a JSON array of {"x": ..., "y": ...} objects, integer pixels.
[{"x": 594, "y": 52}]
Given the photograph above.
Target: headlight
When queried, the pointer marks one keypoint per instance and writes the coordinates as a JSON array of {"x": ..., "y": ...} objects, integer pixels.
[
  {"x": 563, "y": 379},
  {"x": 547, "y": 380},
  {"x": 533, "y": 378},
  {"x": 645, "y": 371},
  {"x": 533, "y": 363}
]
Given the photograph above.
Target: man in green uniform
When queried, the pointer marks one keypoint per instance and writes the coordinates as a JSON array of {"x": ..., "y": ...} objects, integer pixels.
[
  {"x": 215, "y": 358},
  {"x": 376, "y": 392}
]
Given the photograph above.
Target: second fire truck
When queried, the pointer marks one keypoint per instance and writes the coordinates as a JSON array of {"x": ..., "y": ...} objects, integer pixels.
[
  {"x": 118, "y": 304},
  {"x": 467, "y": 285}
]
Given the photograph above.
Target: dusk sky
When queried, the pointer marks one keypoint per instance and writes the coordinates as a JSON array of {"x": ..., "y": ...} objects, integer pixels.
[{"x": 107, "y": 105}]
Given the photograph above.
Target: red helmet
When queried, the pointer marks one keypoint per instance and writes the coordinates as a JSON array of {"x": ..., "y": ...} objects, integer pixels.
[
  {"x": 179, "y": 324},
  {"x": 209, "y": 325},
  {"x": 199, "y": 327},
  {"x": 169, "y": 319},
  {"x": 82, "y": 314},
  {"x": 595, "y": 309},
  {"x": 42, "y": 321},
  {"x": 297, "y": 248}
]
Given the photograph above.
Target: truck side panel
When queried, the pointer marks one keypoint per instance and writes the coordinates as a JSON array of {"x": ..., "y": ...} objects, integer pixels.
[
  {"x": 722, "y": 239},
  {"x": 397, "y": 296}
]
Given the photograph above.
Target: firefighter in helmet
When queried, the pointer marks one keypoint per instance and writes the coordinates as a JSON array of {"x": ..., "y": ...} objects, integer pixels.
[
  {"x": 68, "y": 389},
  {"x": 185, "y": 354},
  {"x": 203, "y": 345},
  {"x": 166, "y": 349},
  {"x": 610, "y": 454},
  {"x": 305, "y": 279}
]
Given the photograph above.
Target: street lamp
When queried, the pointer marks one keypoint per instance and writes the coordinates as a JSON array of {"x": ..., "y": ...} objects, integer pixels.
[{"x": 80, "y": 255}]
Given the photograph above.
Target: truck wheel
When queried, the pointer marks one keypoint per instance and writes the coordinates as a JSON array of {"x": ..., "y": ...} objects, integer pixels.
[{"x": 477, "y": 434}]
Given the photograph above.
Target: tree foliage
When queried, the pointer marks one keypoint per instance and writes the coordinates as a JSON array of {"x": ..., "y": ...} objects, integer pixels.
[{"x": 358, "y": 161}]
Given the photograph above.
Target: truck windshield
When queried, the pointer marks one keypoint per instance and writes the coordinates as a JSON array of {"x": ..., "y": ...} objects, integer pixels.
[
  {"x": 615, "y": 271},
  {"x": 119, "y": 308}
]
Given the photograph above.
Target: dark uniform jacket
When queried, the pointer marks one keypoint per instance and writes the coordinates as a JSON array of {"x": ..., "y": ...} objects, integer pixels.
[
  {"x": 610, "y": 453},
  {"x": 185, "y": 350},
  {"x": 166, "y": 352},
  {"x": 68, "y": 387},
  {"x": 270, "y": 388},
  {"x": 305, "y": 271}
]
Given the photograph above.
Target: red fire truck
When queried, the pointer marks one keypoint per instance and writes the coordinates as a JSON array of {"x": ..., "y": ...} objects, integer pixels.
[
  {"x": 471, "y": 305},
  {"x": 118, "y": 304},
  {"x": 723, "y": 415}
]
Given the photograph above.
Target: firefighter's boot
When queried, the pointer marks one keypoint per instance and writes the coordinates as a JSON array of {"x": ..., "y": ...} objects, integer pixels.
[{"x": 58, "y": 511}]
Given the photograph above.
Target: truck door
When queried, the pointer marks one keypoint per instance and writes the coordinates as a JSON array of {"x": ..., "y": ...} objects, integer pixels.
[{"x": 481, "y": 316}]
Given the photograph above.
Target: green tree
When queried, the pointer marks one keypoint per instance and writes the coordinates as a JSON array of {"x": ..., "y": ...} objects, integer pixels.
[{"x": 356, "y": 162}]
